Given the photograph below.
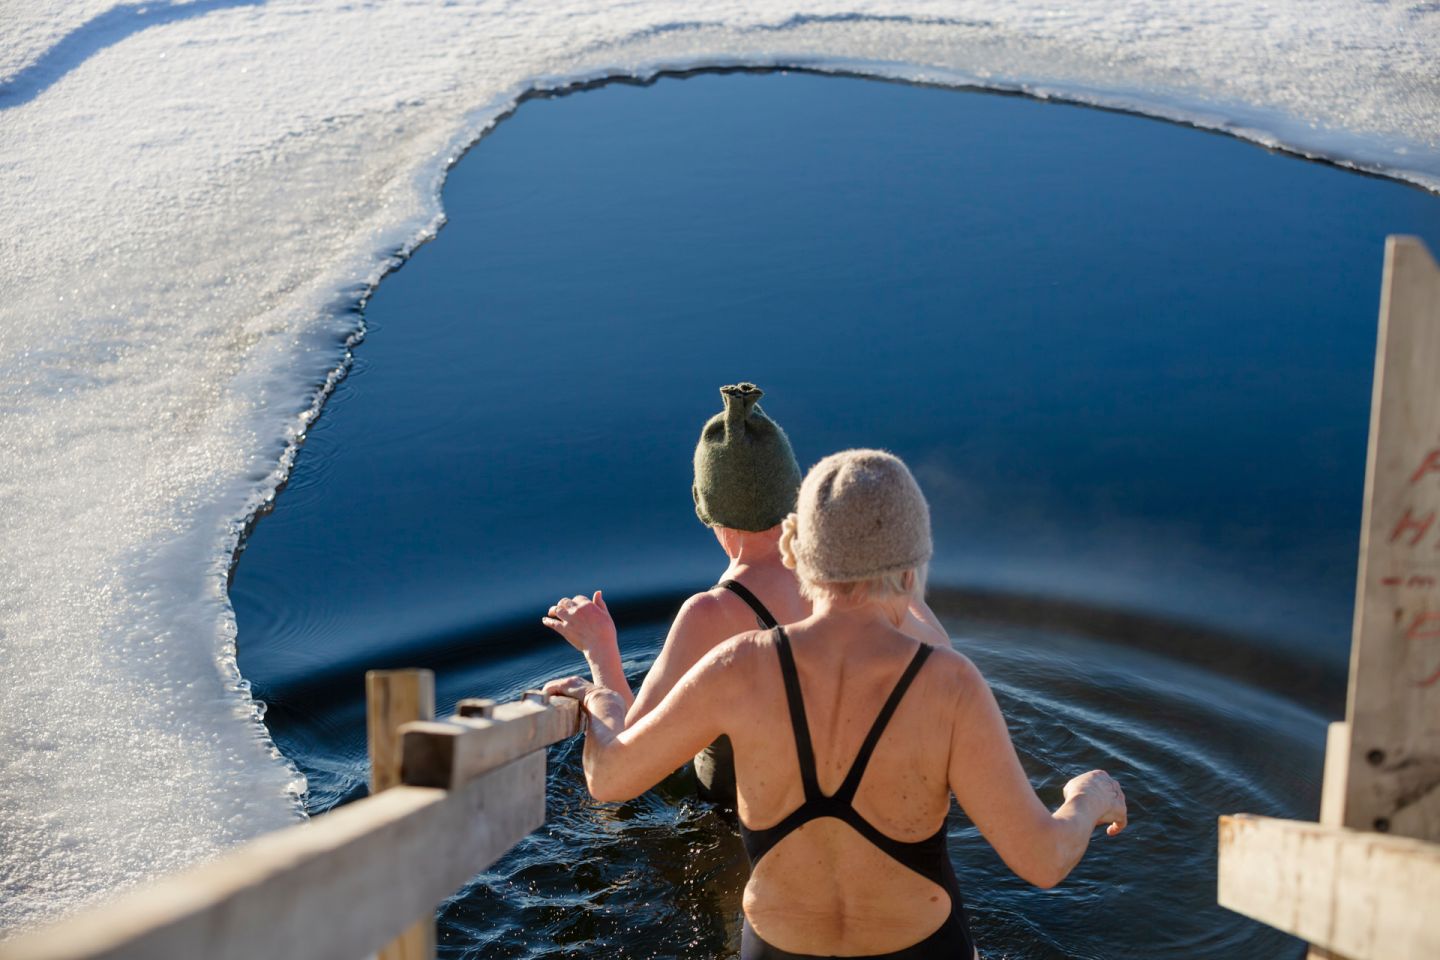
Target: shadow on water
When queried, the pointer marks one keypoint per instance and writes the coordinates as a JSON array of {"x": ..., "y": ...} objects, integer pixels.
[
  {"x": 1130, "y": 363},
  {"x": 1316, "y": 684}
]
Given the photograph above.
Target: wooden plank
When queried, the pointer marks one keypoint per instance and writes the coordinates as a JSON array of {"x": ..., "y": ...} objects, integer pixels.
[
  {"x": 1332, "y": 800},
  {"x": 475, "y": 707},
  {"x": 450, "y": 753},
  {"x": 1392, "y": 780},
  {"x": 1337, "y": 770},
  {"x": 335, "y": 888},
  {"x": 392, "y": 698},
  {"x": 1366, "y": 896}
]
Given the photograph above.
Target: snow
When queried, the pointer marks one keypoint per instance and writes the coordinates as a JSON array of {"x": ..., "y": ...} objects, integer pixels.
[{"x": 195, "y": 195}]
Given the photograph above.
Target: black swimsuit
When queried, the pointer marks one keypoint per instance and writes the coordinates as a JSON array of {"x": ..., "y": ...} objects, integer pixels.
[
  {"x": 753, "y": 602},
  {"x": 929, "y": 858},
  {"x": 715, "y": 765}
]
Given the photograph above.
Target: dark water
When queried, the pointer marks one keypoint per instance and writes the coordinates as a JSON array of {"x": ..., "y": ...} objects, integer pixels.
[{"x": 1129, "y": 362}]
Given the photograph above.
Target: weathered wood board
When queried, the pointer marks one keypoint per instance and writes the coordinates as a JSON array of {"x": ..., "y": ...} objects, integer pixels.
[
  {"x": 1359, "y": 894},
  {"x": 1368, "y": 894},
  {"x": 336, "y": 888},
  {"x": 446, "y": 754},
  {"x": 1391, "y": 781},
  {"x": 392, "y": 698}
]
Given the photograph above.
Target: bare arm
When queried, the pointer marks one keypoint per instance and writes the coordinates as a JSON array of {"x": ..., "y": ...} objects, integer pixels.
[
  {"x": 699, "y": 627},
  {"x": 985, "y": 774},
  {"x": 585, "y": 623},
  {"x": 622, "y": 762}
]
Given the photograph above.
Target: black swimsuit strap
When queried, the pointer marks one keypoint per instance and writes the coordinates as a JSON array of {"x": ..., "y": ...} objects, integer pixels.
[
  {"x": 752, "y": 601},
  {"x": 926, "y": 857},
  {"x": 846, "y": 793},
  {"x": 804, "y": 749}
]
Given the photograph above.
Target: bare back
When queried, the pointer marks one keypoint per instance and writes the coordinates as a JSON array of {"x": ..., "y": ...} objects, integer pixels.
[
  {"x": 819, "y": 883},
  {"x": 825, "y": 885}
]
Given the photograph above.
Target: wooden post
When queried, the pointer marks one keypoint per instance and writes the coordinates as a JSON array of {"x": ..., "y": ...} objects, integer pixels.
[
  {"x": 1391, "y": 771},
  {"x": 392, "y": 698},
  {"x": 1382, "y": 765},
  {"x": 1334, "y": 886}
]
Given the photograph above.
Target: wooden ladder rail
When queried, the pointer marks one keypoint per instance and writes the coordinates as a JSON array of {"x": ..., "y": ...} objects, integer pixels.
[
  {"x": 1364, "y": 883},
  {"x": 351, "y": 882}
]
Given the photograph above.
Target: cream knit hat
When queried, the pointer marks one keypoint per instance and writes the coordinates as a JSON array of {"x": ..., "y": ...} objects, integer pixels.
[{"x": 860, "y": 515}]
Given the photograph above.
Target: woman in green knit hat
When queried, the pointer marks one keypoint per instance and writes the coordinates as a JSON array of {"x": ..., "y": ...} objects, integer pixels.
[{"x": 746, "y": 482}]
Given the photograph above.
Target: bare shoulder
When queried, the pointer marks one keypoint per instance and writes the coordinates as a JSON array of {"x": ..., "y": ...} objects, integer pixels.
[
  {"x": 721, "y": 608},
  {"x": 734, "y": 664},
  {"x": 955, "y": 674},
  {"x": 704, "y": 607},
  {"x": 701, "y": 624},
  {"x": 744, "y": 651}
]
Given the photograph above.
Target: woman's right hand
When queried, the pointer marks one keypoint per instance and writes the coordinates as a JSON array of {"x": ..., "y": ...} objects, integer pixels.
[
  {"x": 584, "y": 622},
  {"x": 576, "y": 688},
  {"x": 1100, "y": 793}
]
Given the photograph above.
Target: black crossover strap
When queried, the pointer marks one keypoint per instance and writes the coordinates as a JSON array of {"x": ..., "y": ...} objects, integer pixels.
[
  {"x": 804, "y": 750},
  {"x": 928, "y": 857},
  {"x": 846, "y": 793},
  {"x": 752, "y": 601}
]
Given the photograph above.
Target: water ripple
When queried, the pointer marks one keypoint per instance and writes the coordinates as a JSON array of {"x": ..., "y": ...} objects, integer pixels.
[{"x": 662, "y": 875}]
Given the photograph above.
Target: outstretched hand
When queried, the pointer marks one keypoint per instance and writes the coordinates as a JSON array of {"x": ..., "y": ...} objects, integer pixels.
[
  {"x": 584, "y": 622},
  {"x": 1103, "y": 794}
]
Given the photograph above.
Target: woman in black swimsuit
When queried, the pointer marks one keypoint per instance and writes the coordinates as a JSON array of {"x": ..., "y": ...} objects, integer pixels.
[{"x": 844, "y": 814}]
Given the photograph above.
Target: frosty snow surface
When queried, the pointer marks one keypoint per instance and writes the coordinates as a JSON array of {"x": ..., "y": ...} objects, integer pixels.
[{"x": 194, "y": 196}]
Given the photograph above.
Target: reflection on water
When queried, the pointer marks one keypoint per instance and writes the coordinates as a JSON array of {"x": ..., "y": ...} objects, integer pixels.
[{"x": 1130, "y": 364}]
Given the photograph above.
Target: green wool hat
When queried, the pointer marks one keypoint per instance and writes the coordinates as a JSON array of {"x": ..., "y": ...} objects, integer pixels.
[{"x": 746, "y": 475}]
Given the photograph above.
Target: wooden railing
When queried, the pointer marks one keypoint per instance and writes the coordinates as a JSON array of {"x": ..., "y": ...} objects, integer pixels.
[
  {"x": 1364, "y": 883},
  {"x": 352, "y": 882}
]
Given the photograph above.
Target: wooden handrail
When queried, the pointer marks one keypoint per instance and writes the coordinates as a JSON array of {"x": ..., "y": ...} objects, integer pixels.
[
  {"x": 342, "y": 885},
  {"x": 448, "y": 754}
]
